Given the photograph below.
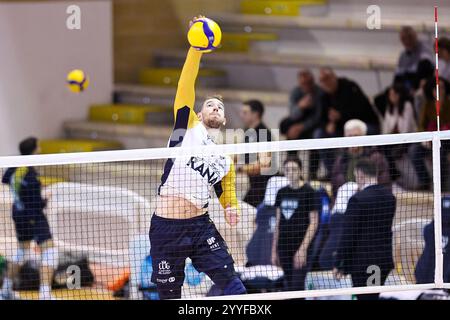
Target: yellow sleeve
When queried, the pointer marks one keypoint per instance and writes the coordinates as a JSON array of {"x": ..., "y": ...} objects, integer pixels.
[
  {"x": 226, "y": 190},
  {"x": 185, "y": 96}
]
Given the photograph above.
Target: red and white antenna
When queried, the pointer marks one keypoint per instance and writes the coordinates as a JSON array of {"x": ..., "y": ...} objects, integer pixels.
[{"x": 438, "y": 106}]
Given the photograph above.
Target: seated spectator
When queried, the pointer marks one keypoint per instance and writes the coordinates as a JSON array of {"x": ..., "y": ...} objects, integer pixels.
[
  {"x": 343, "y": 100},
  {"x": 256, "y": 131},
  {"x": 399, "y": 117},
  {"x": 415, "y": 62},
  {"x": 444, "y": 58},
  {"x": 305, "y": 114},
  {"x": 366, "y": 231},
  {"x": 298, "y": 207},
  {"x": 343, "y": 168},
  {"x": 426, "y": 264},
  {"x": 428, "y": 122}
]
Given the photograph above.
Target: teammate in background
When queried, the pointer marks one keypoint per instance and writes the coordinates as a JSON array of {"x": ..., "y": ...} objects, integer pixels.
[
  {"x": 30, "y": 223},
  {"x": 298, "y": 208},
  {"x": 181, "y": 227}
]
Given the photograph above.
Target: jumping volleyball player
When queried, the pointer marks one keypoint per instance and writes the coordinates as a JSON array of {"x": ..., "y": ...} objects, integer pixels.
[
  {"x": 181, "y": 227},
  {"x": 30, "y": 223}
]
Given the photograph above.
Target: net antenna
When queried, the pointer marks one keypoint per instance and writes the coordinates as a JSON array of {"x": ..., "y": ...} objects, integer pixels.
[{"x": 438, "y": 106}]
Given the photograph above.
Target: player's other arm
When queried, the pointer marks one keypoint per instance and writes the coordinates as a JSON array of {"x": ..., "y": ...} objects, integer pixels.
[{"x": 226, "y": 192}]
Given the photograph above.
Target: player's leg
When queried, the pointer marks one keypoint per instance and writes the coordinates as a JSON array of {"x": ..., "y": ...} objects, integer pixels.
[
  {"x": 13, "y": 268},
  {"x": 49, "y": 255},
  {"x": 211, "y": 256},
  {"x": 169, "y": 248}
]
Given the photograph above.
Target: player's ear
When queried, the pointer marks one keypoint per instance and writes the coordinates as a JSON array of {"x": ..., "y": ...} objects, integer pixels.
[
  {"x": 199, "y": 115},
  {"x": 224, "y": 121}
]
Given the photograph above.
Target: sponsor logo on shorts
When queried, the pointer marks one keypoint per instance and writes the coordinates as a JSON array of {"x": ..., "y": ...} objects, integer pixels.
[
  {"x": 172, "y": 279},
  {"x": 161, "y": 280},
  {"x": 213, "y": 245},
  {"x": 163, "y": 267}
]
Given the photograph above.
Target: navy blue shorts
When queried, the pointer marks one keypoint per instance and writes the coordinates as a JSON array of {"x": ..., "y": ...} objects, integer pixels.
[
  {"x": 31, "y": 226},
  {"x": 174, "y": 240}
]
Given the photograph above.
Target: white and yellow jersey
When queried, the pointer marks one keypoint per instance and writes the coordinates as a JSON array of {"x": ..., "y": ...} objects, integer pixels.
[{"x": 188, "y": 177}]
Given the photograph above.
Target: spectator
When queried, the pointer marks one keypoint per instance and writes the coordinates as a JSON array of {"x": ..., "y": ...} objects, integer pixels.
[
  {"x": 426, "y": 264},
  {"x": 256, "y": 131},
  {"x": 367, "y": 231},
  {"x": 305, "y": 114},
  {"x": 298, "y": 208},
  {"x": 444, "y": 58},
  {"x": 415, "y": 62},
  {"x": 399, "y": 117},
  {"x": 344, "y": 100},
  {"x": 428, "y": 122},
  {"x": 343, "y": 168}
]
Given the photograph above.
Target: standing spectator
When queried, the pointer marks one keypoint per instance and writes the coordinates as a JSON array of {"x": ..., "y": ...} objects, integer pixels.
[
  {"x": 367, "y": 231},
  {"x": 251, "y": 115},
  {"x": 298, "y": 208},
  {"x": 305, "y": 114},
  {"x": 344, "y": 100},
  {"x": 415, "y": 62},
  {"x": 428, "y": 122},
  {"x": 399, "y": 117},
  {"x": 343, "y": 168}
]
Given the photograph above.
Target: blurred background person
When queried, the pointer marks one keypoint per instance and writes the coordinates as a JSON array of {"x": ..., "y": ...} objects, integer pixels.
[
  {"x": 343, "y": 100},
  {"x": 305, "y": 115},
  {"x": 399, "y": 117},
  {"x": 444, "y": 58},
  {"x": 298, "y": 206},
  {"x": 427, "y": 122},
  {"x": 367, "y": 231},
  {"x": 344, "y": 167},
  {"x": 251, "y": 115}
]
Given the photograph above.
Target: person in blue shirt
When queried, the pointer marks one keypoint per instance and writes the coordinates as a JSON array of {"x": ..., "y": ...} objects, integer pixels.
[{"x": 30, "y": 223}]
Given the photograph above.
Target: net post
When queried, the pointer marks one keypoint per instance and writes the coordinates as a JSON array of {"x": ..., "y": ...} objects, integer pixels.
[{"x": 439, "y": 258}]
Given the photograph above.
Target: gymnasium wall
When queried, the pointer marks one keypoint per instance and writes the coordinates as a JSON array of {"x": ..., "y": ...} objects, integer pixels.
[{"x": 36, "y": 52}]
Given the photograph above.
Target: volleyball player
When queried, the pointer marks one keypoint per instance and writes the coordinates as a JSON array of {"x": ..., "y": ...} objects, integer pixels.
[
  {"x": 180, "y": 226},
  {"x": 30, "y": 223}
]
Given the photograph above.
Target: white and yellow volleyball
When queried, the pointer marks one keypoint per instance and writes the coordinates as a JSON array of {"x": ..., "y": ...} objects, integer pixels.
[
  {"x": 77, "y": 80},
  {"x": 205, "y": 35}
]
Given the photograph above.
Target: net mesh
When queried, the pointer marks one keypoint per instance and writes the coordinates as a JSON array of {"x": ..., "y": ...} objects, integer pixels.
[{"x": 358, "y": 213}]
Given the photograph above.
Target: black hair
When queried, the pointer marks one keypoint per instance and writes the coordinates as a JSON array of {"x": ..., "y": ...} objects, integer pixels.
[
  {"x": 430, "y": 85},
  {"x": 293, "y": 158},
  {"x": 367, "y": 166},
  {"x": 28, "y": 146},
  {"x": 256, "y": 106},
  {"x": 404, "y": 95}
]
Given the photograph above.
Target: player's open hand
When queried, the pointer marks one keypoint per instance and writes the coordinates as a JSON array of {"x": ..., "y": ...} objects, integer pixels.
[
  {"x": 195, "y": 19},
  {"x": 231, "y": 216},
  {"x": 300, "y": 259}
]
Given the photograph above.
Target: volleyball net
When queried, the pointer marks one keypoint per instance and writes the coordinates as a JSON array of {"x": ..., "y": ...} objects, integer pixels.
[{"x": 376, "y": 209}]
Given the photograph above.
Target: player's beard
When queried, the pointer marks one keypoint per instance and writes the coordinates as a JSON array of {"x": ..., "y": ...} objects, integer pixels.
[{"x": 213, "y": 123}]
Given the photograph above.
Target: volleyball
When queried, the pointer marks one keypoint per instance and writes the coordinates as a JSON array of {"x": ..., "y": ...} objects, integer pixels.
[
  {"x": 77, "y": 80},
  {"x": 205, "y": 35}
]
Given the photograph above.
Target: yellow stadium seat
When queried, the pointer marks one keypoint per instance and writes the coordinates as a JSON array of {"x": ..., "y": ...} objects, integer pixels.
[
  {"x": 123, "y": 113},
  {"x": 73, "y": 145},
  {"x": 170, "y": 76},
  {"x": 240, "y": 42},
  {"x": 46, "y": 180},
  {"x": 276, "y": 7}
]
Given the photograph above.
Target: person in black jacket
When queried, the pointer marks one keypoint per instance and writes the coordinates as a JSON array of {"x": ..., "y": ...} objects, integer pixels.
[
  {"x": 343, "y": 100},
  {"x": 30, "y": 224},
  {"x": 365, "y": 248},
  {"x": 426, "y": 264}
]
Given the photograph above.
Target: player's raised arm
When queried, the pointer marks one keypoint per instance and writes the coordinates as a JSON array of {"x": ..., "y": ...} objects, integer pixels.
[{"x": 185, "y": 96}]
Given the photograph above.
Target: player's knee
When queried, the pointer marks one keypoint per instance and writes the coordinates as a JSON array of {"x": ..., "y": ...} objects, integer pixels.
[
  {"x": 234, "y": 286},
  {"x": 49, "y": 258}
]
